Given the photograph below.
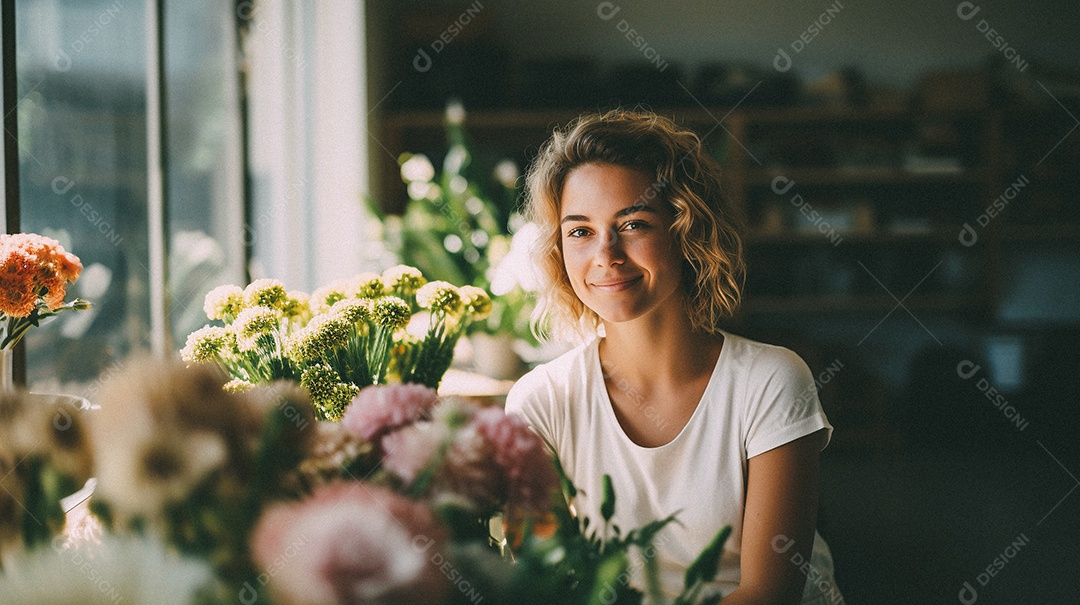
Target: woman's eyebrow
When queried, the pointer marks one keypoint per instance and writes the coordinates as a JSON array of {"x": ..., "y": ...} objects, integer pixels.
[{"x": 580, "y": 218}]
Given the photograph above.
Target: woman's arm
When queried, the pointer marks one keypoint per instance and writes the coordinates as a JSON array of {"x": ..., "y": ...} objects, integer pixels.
[{"x": 779, "y": 522}]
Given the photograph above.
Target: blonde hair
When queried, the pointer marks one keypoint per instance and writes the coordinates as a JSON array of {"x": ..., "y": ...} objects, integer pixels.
[{"x": 706, "y": 228}]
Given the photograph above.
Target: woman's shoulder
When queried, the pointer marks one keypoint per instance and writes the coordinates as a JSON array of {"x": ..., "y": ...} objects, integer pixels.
[
  {"x": 762, "y": 359},
  {"x": 547, "y": 377}
]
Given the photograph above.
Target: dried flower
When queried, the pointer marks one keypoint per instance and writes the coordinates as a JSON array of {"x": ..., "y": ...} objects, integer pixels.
[
  {"x": 351, "y": 543},
  {"x": 378, "y": 409},
  {"x": 224, "y": 303}
]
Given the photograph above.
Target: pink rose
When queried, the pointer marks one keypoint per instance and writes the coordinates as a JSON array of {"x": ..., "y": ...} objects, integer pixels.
[{"x": 530, "y": 473}]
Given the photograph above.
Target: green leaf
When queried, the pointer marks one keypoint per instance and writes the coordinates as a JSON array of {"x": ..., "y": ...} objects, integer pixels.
[
  {"x": 607, "y": 506},
  {"x": 704, "y": 568}
]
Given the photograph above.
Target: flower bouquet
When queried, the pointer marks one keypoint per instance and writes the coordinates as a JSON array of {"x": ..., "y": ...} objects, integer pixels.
[
  {"x": 34, "y": 272},
  {"x": 339, "y": 339},
  {"x": 227, "y": 497}
]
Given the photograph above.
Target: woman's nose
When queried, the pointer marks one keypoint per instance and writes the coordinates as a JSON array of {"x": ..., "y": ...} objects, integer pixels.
[{"x": 610, "y": 249}]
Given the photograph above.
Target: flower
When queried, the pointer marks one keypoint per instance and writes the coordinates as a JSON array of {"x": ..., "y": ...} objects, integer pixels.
[
  {"x": 139, "y": 571},
  {"x": 207, "y": 344},
  {"x": 353, "y": 311},
  {"x": 164, "y": 429},
  {"x": 297, "y": 306},
  {"x": 328, "y": 393},
  {"x": 266, "y": 293},
  {"x": 34, "y": 272},
  {"x": 224, "y": 302},
  {"x": 351, "y": 543},
  {"x": 391, "y": 312},
  {"x": 439, "y": 296},
  {"x": 325, "y": 297},
  {"x": 477, "y": 301},
  {"x": 378, "y": 409},
  {"x": 322, "y": 335},
  {"x": 368, "y": 285},
  {"x": 522, "y": 456},
  {"x": 417, "y": 168},
  {"x": 252, "y": 324},
  {"x": 409, "y": 450},
  {"x": 403, "y": 281}
]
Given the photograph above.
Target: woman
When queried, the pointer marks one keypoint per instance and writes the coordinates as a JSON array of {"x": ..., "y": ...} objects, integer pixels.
[{"x": 643, "y": 259}]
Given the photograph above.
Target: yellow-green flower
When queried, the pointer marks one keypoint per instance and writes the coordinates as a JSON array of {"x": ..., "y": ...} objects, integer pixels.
[
  {"x": 439, "y": 296},
  {"x": 391, "y": 312},
  {"x": 224, "y": 303},
  {"x": 403, "y": 280},
  {"x": 323, "y": 334},
  {"x": 476, "y": 301},
  {"x": 297, "y": 305},
  {"x": 237, "y": 385},
  {"x": 328, "y": 393},
  {"x": 368, "y": 285},
  {"x": 266, "y": 293},
  {"x": 353, "y": 310},
  {"x": 205, "y": 344},
  {"x": 252, "y": 323},
  {"x": 325, "y": 297}
]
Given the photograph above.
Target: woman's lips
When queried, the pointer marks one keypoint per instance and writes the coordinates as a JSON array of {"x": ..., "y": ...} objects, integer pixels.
[{"x": 617, "y": 286}]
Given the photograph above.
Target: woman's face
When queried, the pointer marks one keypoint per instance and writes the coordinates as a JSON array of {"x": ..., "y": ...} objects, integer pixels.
[{"x": 617, "y": 246}]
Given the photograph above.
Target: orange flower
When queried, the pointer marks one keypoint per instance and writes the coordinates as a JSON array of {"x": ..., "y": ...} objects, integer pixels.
[{"x": 34, "y": 269}]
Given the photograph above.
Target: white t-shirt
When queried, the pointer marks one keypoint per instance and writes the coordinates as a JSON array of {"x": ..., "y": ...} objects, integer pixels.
[{"x": 759, "y": 397}]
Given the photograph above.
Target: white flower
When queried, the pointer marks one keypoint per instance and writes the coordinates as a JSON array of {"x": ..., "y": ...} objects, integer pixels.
[
  {"x": 507, "y": 173},
  {"x": 518, "y": 268},
  {"x": 417, "y": 168}
]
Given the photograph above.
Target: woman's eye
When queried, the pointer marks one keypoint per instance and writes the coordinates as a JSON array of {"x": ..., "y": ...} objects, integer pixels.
[
  {"x": 635, "y": 225},
  {"x": 579, "y": 232}
]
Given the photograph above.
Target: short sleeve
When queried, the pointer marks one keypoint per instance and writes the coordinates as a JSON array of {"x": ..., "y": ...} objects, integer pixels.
[
  {"x": 532, "y": 398},
  {"x": 782, "y": 402}
]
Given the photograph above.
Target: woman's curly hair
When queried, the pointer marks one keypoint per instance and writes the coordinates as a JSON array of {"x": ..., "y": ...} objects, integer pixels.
[{"x": 685, "y": 176}]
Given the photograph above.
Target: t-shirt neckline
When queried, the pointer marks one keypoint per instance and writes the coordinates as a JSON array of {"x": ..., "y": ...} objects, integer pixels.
[{"x": 609, "y": 407}]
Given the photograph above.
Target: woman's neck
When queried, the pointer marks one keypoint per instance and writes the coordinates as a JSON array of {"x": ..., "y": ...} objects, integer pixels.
[{"x": 663, "y": 346}]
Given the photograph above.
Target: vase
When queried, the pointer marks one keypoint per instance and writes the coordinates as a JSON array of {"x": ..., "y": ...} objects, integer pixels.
[{"x": 7, "y": 380}]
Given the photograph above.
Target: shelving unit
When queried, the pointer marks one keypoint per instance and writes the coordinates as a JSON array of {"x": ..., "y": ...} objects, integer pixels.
[{"x": 878, "y": 180}]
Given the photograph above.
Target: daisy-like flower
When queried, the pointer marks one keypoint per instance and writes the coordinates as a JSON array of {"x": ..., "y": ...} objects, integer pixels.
[
  {"x": 391, "y": 312},
  {"x": 206, "y": 344},
  {"x": 403, "y": 280},
  {"x": 351, "y": 543},
  {"x": 323, "y": 334},
  {"x": 476, "y": 301},
  {"x": 328, "y": 393},
  {"x": 381, "y": 408},
  {"x": 439, "y": 296},
  {"x": 266, "y": 293},
  {"x": 224, "y": 303},
  {"x": 368, "y": 285},
  {"x": 253, "y": 323}
]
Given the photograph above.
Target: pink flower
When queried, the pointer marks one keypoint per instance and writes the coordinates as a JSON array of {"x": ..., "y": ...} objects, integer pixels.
[
  {"x": 351, "y": 543},
  {"x": 521, "y": 454},
  {"x": 381, "y": 408},
  {"x": 408, "y": 450}
]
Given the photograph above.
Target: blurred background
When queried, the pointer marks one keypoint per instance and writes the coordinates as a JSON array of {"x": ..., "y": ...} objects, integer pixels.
[{"x": 908, "y": 173}]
